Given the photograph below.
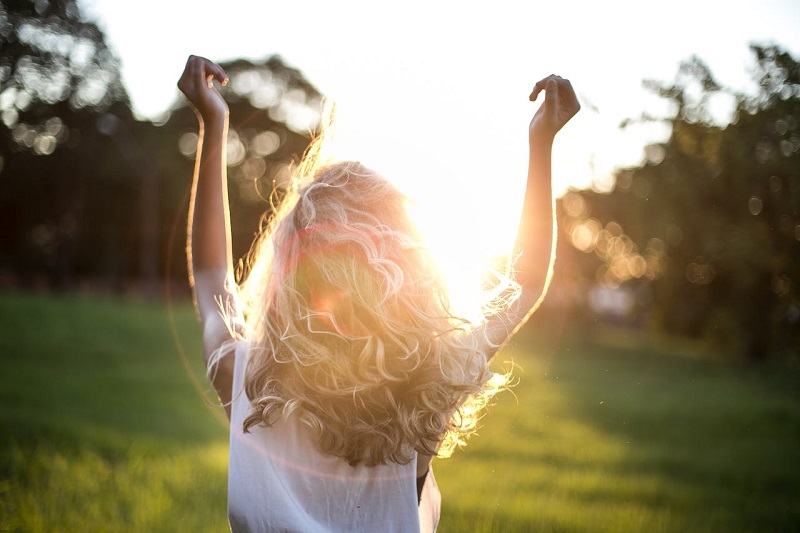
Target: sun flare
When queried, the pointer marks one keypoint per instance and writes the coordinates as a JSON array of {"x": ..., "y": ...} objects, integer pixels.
[
  {"x": 467, "y": 208},
  {"x": 463, "y": 256}
]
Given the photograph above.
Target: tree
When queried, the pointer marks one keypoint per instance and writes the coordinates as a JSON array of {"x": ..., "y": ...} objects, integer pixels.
[
  {"x": 87, "y": 191},
  {"x": 711, "y": 222},
  {"x": 56, "y": 76},
  {"x": 49, "y": 54}
]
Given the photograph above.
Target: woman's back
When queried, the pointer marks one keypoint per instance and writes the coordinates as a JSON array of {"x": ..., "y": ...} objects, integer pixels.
[{"x": 278, "y": 480}]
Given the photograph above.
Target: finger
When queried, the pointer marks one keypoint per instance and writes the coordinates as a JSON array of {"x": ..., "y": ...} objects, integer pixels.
[
  {"x": 568, "y": 100},
  {"x": 551, "y": 95},
  {"x": 536, "y": 90},
  {"x": 206, "y": 70},
  {"x": 540, "y": 86},
  {"x": 218, "y": 73},
  {"x": 568, "y": 93}
]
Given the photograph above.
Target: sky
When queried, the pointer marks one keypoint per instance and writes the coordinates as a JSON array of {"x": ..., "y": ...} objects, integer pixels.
[{"x": 434, "y": 94}]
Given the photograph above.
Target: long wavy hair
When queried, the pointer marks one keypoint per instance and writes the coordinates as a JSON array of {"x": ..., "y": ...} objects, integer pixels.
[{"x": 350, "y": 327}]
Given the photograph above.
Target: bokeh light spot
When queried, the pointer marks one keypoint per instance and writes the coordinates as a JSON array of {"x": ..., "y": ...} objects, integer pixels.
[
  {"x": 755, "y": 205},
  {"x": 187, "y": 144},
  {"x": 266, "y": 143},
  {"x": 236, "y": 149},
  {"x": 575, "y": 205},
  {"x": 45, "y": 144}
]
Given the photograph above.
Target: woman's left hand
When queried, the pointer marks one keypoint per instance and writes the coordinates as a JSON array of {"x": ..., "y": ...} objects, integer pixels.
[{"x": 560, "y": 105}]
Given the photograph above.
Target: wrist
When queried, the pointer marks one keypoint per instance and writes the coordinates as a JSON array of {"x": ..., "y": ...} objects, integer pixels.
[
  {"x": 218, "y": 118},
  {"x": 540, "y": 135},
  {"x": 541, "y": 143},
  {"x": 214, "y": 123}
]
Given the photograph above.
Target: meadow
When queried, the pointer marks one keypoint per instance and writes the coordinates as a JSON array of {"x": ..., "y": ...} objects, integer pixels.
[{"x": 104, "y": 427}]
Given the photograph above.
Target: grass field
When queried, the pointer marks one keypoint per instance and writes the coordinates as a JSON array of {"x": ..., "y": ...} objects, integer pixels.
[{"x": 102, "y": 429}]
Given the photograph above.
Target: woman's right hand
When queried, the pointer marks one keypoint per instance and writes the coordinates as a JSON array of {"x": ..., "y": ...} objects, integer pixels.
[{"x": 196, "y": 83}]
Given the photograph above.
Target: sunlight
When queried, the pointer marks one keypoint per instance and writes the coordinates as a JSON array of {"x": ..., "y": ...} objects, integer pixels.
[
  {"x": 466, "y": 207},
  {"x": 461, "y": 258}
]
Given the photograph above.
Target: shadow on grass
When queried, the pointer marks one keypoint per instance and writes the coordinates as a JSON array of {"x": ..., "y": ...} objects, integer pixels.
[{"x": 720, "y": 440}]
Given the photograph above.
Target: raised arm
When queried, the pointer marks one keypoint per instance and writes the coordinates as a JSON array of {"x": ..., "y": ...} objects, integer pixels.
[
  {"x": 208, "y": 247},
  {"x": 536, "y": 237}
]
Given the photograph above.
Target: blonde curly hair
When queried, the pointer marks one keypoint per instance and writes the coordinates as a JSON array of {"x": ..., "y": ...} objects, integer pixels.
[{"x": 350, "y": 327}]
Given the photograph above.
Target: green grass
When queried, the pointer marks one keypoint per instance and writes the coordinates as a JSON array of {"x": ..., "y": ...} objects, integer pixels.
[
  {"x": 102, "y": 429},
  {"x": 618, "y": 439},
  {"x": 101, "y": 426}
]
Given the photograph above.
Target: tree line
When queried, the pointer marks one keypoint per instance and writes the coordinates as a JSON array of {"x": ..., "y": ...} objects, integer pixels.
[
  {"x": 703, "y": 239},
  {"x": 87, "y": 191}
]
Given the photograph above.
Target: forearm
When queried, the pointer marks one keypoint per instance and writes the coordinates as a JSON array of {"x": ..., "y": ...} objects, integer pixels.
[
  {"x": 209, "y": 242},
  {"x": 208, "y": 233},
  {"x": 535, "y": 237}
]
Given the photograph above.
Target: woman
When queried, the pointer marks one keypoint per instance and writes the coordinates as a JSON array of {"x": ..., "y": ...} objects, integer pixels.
[{"x": 339, "y": 363}]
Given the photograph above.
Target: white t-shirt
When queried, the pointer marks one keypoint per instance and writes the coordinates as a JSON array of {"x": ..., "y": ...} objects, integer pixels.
[{"x": 278, "y": 480}]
